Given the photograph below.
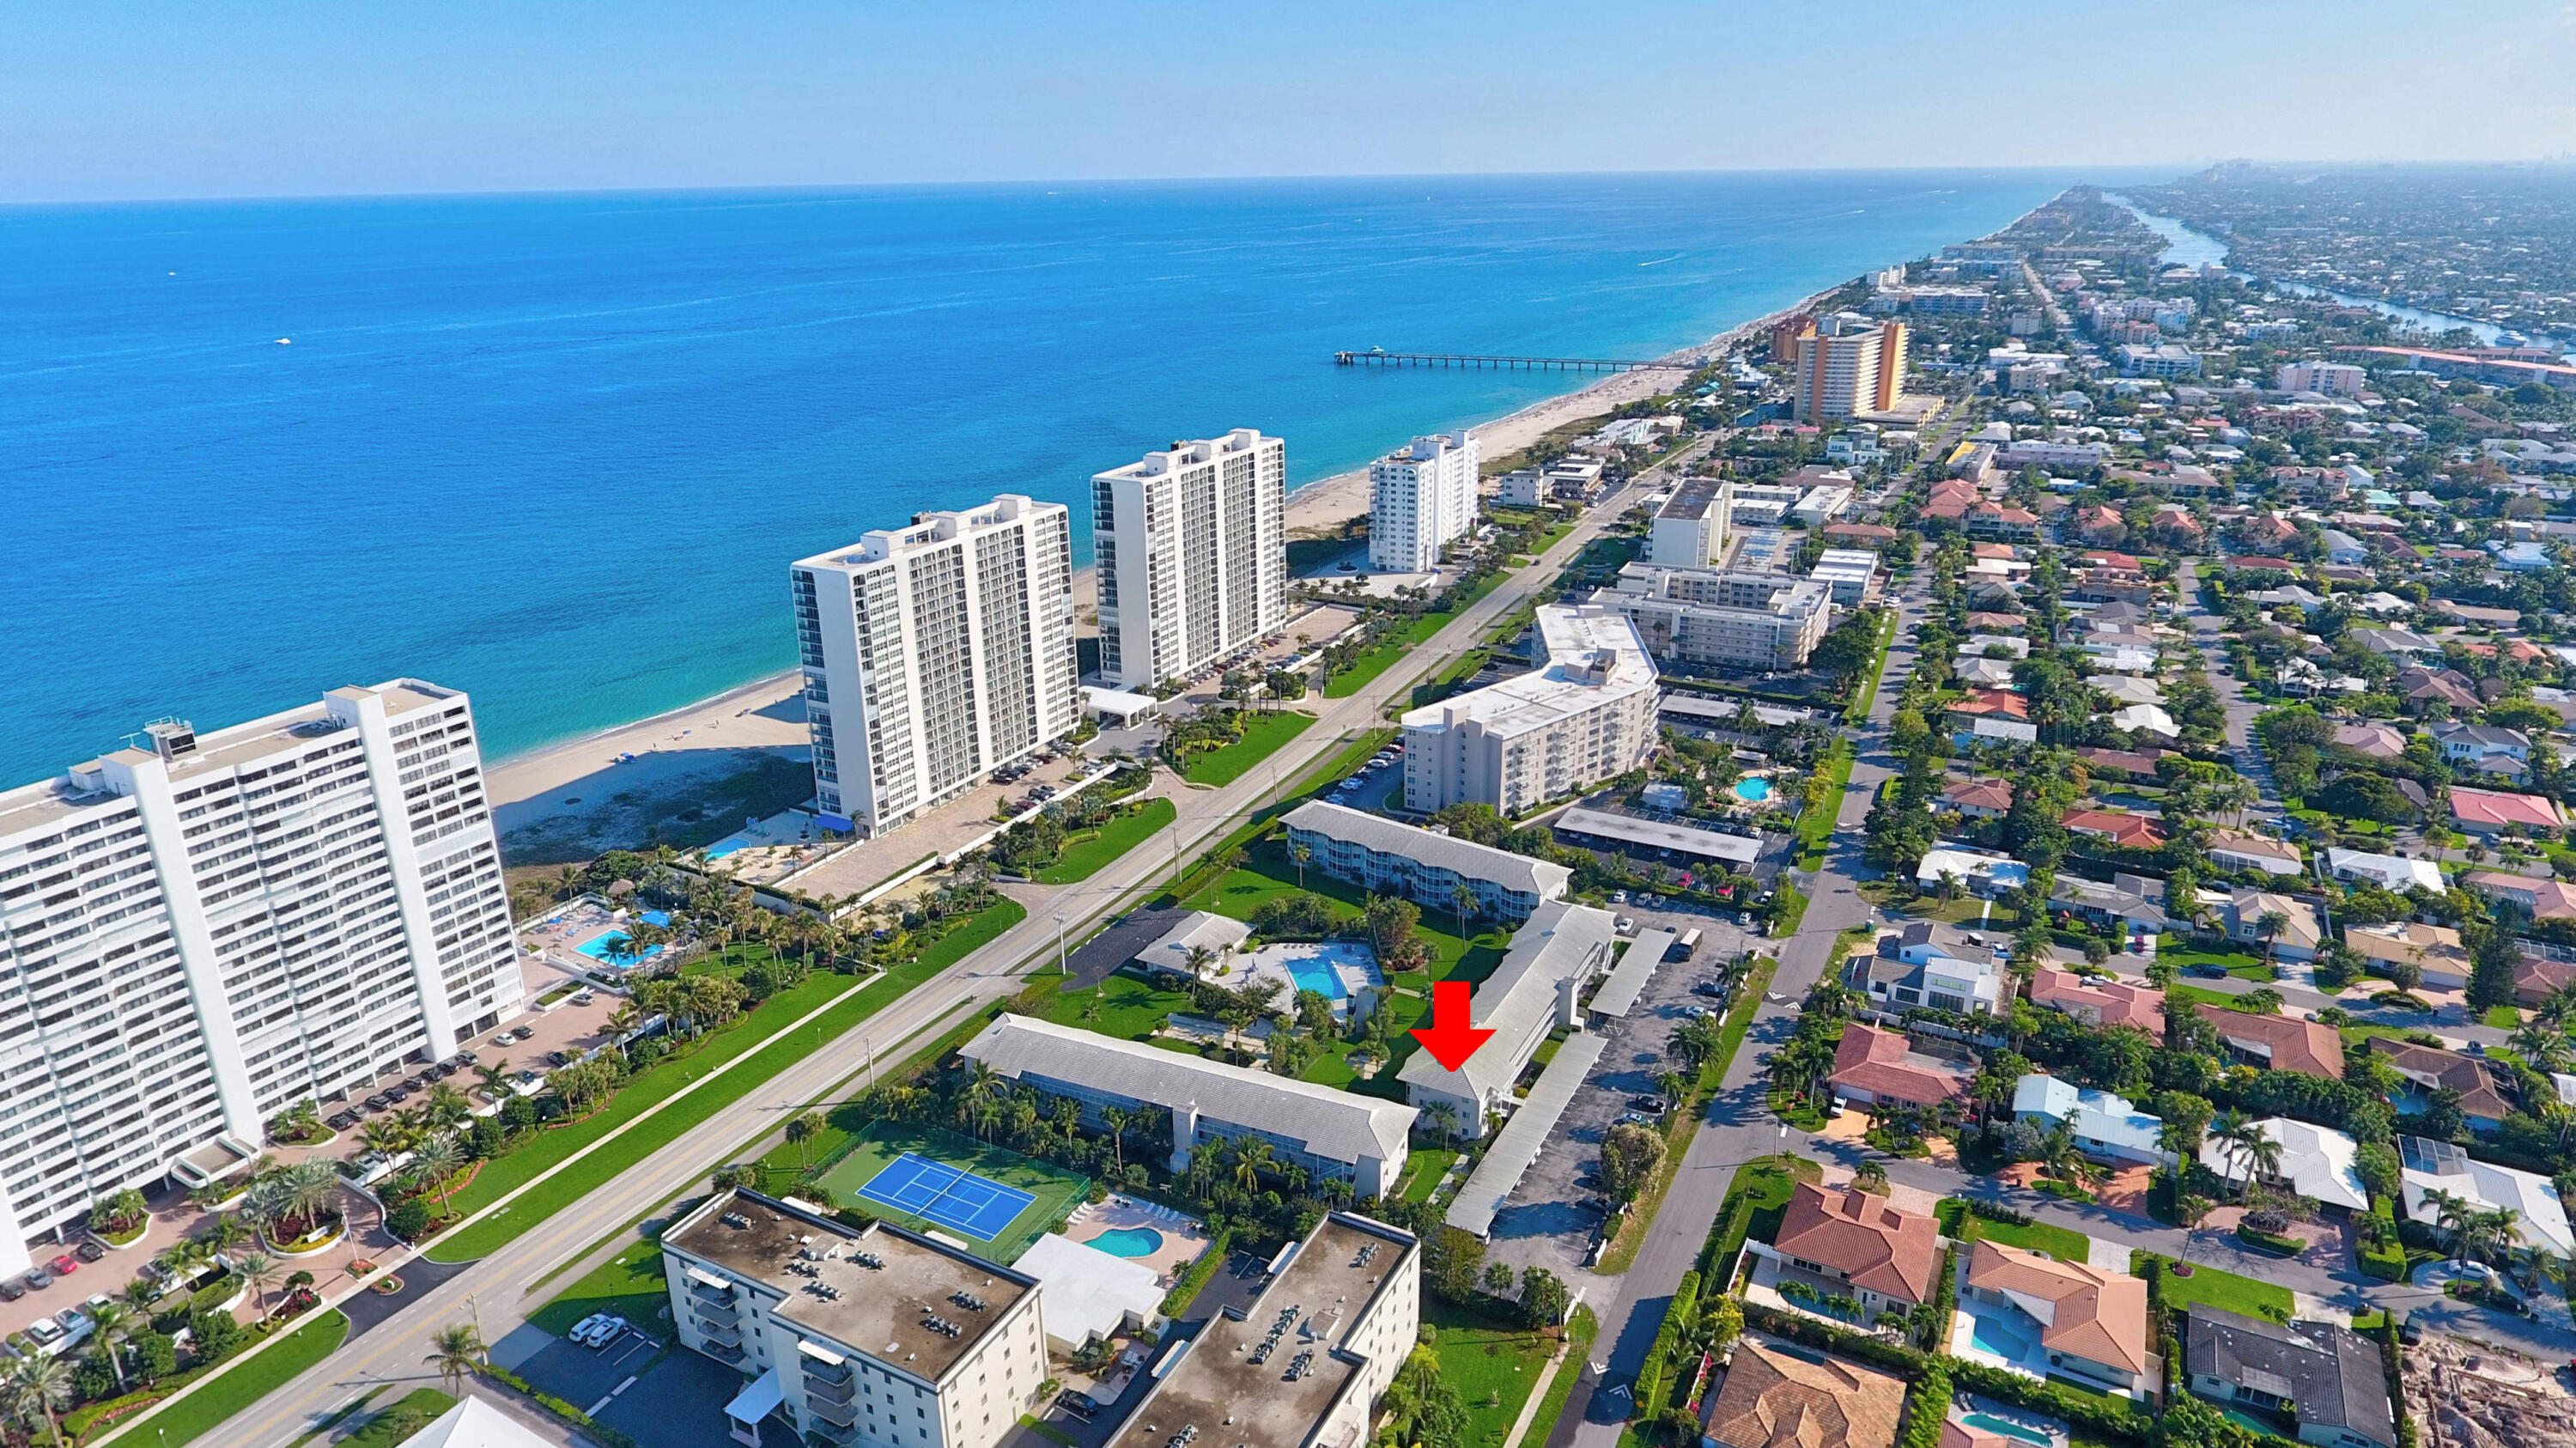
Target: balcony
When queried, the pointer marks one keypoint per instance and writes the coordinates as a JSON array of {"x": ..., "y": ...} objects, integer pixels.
[
  {"x": 724, "y": 1332},
  {"x": 821, "y": 1385},
  {"x": 721, "y": 1350},
  {"x": 842, "y": 1415}
]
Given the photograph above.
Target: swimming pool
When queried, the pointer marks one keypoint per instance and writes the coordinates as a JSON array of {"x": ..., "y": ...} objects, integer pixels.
[
  {"x": 1317, "y": 976},
  {"x": 2005, "y": 1426},
  {"x": 1128, "y": 1242},
  {"x": 726, "y": 846},
  {"x": 1990, "y": 1334},
  {"x": 599, "y": 947},
  {"x": 1753, "y": 791},
  {"x": 659, "y": 919}
]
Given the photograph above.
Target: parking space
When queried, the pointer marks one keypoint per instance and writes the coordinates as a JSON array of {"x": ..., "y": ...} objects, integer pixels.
[
  {"x": 1545, "y": 1222},
  {"x": 1377, "y": 786},
  {"x": 596, "y": 1380}
]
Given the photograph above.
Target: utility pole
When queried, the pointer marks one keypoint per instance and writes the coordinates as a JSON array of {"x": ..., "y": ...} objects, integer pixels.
[{"x": 1063, "y": 963}]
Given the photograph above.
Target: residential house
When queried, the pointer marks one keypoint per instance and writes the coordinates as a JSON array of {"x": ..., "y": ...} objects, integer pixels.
[
  {"x": 2091, "y": 1323},
  {"x": 2100, "y": 1002},
  {"x": 2002, "y": 520},
  {"x": 2322, "y": 1383},
  {"x": 1988, "y": 704},
  {"x": 2106, "y": 1127},
  {"x": 2484, "y": 748},
  {"x": 2123, "y": 690},
  {"x": 1853, "y": 1244},
  {"x": 2535, "y": 980},
  {"x": 2244, "y": 850},
  {"x": 2146, "y": 719},
  {"x": 2277, "y": 1043},
  {"x": 1985, "y": 674},
  {"x": 2370, "y": 741},
  {"x": 1981, "y": 872},
  {"x": 2135, "y": 902},
  {"x": 2436, "y": 949},
  {"x": 2317, "y": 1162},
  {"x": 2128, "y": 831},
  {"x": 2300, "y": 931},
  {"x": 2428, "y": 1069},
  {"x": 1782, "y": 1397},
  {"x": 2135, "y": 764},
  {"x": 2394, "y": 642},
  {"x": 2388, "y": 872},
  {"x": 2100, "y": 523},
  {"x": 1873, "y": 1067},
  {"x": 1927, "y": 966},
  {"x": 2489, "y": 813},
  {"x": 2424, "y": 688},
  {"x": 1980, "y": 798},
  {"x": 2426, "y": 1167}
]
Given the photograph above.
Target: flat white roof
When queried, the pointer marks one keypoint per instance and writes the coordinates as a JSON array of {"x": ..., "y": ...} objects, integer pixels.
[
  {"x": 1707, "y": 844},
  {"x": 1618, "y": 995},
  {"x": 1518, "y": 1143},
  {"x": 1088, "y": 1292}
]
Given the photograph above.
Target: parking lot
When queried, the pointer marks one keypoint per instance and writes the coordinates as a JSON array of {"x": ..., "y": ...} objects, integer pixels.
[
  {"x": 660, "y": 1398},
  {"x": 1377, "y": 786},
  {"x": 1543, "y": 1223}
]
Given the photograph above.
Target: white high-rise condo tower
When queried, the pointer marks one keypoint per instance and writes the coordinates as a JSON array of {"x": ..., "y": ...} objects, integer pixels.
[
  {"x": 200, "y": 933},
  {"x": 934, "y": 654},
  {"x": 1420, "y": 498},
  {"x": 1192, "y": 545}
]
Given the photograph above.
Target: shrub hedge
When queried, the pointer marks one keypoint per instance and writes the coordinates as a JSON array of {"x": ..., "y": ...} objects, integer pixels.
[{"x": 1651, "y": 1374}]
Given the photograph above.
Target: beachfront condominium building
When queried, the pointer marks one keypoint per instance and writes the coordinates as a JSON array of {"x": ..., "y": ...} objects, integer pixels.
[
  {"x": 872, "y": 1336},
  {"x": 1587, "y": 713},
  {"x": 1850, "y": 367},
  {"x": 1420, "y": 498},
  {"x": 1759, "y": 621},
  {"x": 202, "y": 931},
  {"x": 1690, "y": 529},
  {"x": 935, "y": 654},
  {"x": 1192, "y": 547}
]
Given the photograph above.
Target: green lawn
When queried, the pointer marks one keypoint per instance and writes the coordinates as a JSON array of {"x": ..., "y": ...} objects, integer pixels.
[
  {"x": 1085, "y": 856},
  {"x": 397, "y": 1423},
  {"x": 2185, "y": 991},
  {"x": 1494, "y": 1368},
  {"x": 630, "y": 1284},
  {"x": 1055, "y": 1191},
  {"x": 238, "y": 1386},
  {"x": 1866, "y": 693},
  {"x": 1120, "y": 1006},
  {"x": 2223, "y": 1290},
  {"x": 1580, "y": 1330},
  {"x": 2062, "y": 1243},
  {"x": 2503, "y": 1018},
  {"x": 1262, "y": 736},
  {"x": 1268, "y": 873},
  {"x": 1423, "y": 1171},
  {"x": 1816, "y": 826},
  {"x": 2241, "y": 964},
  {"x": 500, "y": 1176},
  {"x": 1761, "y": 1191},
  {"x": 1397, "y": 642}
]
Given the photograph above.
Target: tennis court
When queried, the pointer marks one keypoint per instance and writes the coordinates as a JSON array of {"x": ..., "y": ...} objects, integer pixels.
[
  {"x": 931, "y": 1179},
  {"x": 937, "y": 1192}
]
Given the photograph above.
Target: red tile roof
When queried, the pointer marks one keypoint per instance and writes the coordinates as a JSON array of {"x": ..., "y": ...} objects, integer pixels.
[
  {"x": 1883, "y": 1064},
  {"x": 2136, "y": 832},
  {"x": 2110, "y": 1002},
  {"x": 1891, "y": 1252},
  {"x": 2498, "y": 808},
  {"x": 2302, "y": 1046},
  {"x": 1993, "y": 701}
]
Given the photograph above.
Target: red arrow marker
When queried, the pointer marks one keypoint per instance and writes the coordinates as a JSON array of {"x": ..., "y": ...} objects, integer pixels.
[{"x": 1453, "y": 1037}]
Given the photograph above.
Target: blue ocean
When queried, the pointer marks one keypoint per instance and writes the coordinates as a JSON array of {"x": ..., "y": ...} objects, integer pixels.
[{"x": 557, "y": 450}]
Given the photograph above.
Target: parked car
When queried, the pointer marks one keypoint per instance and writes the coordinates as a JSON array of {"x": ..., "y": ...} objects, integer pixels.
[
  {"x": 1635, "y": 1118},
  {"x": 2408, "y": 1333},
  {"x": 558, "y": 1058},
  {"x": 1655, "y": 1105},
  {"x": 342, "y": 1121},
  {"x": 12, "y": 1289},
  {"x": 377, "y": 1102},
  {"x": 89, "y": 1249},
  {"x": 2206, "y": 972},
  {"x": 1709, "y": 988},
  {"x": 607, "y": 1332},
  {"x": 1698, "y": 1013},
  {"x": 65, "y": 1265},
  {"x": 582, "y": 1328},
  {"x": 45, "y": 1331}
]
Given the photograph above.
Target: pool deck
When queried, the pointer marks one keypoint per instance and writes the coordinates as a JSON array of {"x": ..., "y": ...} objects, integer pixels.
[
  {"x": 1185, "y": 1238},
  {"x": 1352, "y": 966}
]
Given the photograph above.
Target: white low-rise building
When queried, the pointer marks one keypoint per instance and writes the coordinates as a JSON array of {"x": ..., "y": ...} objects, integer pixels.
[
  {"x": 2389, "y": 872},
  {"x": 1763, "y": 505},
  {"x": 2105, "y": 1125},
  {"x": 1758, "y": 621},
  {"x": 1425, "y": 866},
  {"x": 1586, "y": 715},
  {"x": 1822, "y": 505},
  {"x": 2426, "y": 1166},
  {"x": 2317, "y": 1162},
  {"x": 1536, "y": 990},
  {"x": 1851, "y": 574},
  {"x": 1334, "y": 1135}
]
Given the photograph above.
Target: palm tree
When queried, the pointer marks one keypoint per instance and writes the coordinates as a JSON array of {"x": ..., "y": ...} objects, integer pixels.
[
  {"x": 256, "y": 1273},
  {"x": 493, "y": 1079},
  {"x": 37, "y": 1386},
  {"x": 2236, "y": 1135},
  {"x": 1116, "y": 1119},
  {"x": 1197, "y": 958},
  {"x": 110, "y": 1321},
  {"x": 310, "y": 1190},
  {"x": 2270, "y": 924},
  {"x": 385, "y": 1136},
  {"x": 1464, "y": 897},
  {"x": 456, "y": 1352},
  {"x": 435, "y": 1161},
  {"x": 2490, "y": 1235},
  {"x": 2545, "y": 1047},
  {"x": 1301, "y": 854},
  {"x": 801, "y": 1131},
  {"x": 2452, "y": 1213},
  {"x": 1252, "y": 1156}
]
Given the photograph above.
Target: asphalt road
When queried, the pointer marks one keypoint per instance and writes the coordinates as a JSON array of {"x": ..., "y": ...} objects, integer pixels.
[
  {"x": 1739, "y": 1126},
  {"x": 495, "y": 1291}
]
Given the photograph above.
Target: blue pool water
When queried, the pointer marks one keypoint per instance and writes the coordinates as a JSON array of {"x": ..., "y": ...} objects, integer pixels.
[
  {"x": 1753, "y": 790},
  {"x": 518, "y": 367},
  {"x": 2005, "y": 1426},
  {"x": 1128, "y": 1242},
  {"x": 722, "y": 848},
  {"x": 658, "y": 918},
  {"x": 1994, "y": 1337},
  {"x": 1319, "y": 977},
  {"x": 598, "y": 946}
]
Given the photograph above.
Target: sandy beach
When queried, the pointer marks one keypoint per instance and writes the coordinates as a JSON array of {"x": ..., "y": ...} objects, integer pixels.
[{"x": 741, "y": 751}]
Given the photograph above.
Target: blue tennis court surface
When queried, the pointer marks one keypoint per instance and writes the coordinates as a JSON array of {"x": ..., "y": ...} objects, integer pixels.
[{"x": 937, "y": 1192}]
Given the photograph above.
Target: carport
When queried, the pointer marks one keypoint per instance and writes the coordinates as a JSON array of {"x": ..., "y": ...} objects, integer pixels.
[
  {"x": 1521, "y": 1138},
  {"x": 1618, "y": 994}
]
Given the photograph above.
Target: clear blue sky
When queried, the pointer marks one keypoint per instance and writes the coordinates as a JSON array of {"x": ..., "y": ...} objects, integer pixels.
[{"x": 102, "y": 99}]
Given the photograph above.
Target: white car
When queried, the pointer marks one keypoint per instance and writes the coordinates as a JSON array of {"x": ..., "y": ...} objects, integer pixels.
[
  {"x": 581, "y": 1330},
  {"x": 606, "y": 1332}
]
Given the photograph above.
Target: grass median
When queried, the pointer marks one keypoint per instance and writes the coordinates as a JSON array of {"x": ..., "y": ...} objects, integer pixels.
[
  {"x": 1083, "y": 858},
  {"x": 1262, "y": 736},
  {"x": 760, "y": 1062}
]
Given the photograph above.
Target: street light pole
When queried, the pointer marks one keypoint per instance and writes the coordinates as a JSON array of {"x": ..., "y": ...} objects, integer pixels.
[{"x": 1063, "y": 963}]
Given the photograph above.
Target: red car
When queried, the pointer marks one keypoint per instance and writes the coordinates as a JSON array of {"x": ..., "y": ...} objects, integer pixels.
[{"x": 65, "y": 1265}]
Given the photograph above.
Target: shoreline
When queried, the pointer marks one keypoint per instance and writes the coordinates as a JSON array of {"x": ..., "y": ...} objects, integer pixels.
[{"x": 690, "y": 746}]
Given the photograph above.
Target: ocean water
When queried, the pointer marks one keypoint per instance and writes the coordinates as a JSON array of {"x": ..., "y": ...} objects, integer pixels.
[{"x": 558, "y": 450}]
